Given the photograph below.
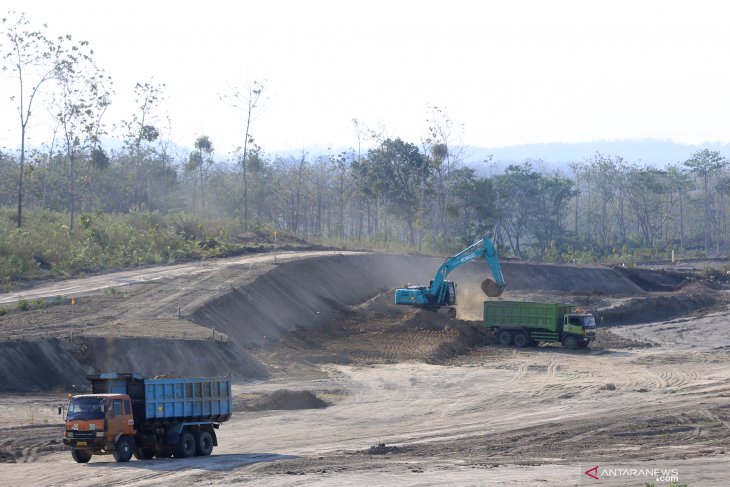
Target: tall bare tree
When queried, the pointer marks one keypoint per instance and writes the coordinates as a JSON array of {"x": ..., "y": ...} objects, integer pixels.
[
  {"x": 141, "y": 132},
  {"x": 198, "y": 159},
  {"x": 33, "y": 57},
  {"x": 83, "y": 98},
  {"x": 248, "y": 102}
]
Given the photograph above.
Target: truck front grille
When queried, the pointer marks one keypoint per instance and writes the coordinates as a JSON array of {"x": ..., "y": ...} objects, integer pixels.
[{"x": 84, "y": 434}]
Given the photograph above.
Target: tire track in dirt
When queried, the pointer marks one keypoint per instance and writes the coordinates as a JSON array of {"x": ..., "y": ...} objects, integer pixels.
[{"x": 520, "y": 373}]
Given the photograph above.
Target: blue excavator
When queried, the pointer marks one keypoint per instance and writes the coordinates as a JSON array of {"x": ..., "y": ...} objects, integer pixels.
[{"x": 441, "y": 292}]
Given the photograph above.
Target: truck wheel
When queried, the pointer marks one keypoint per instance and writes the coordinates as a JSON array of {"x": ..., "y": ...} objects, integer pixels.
[
  {"x": 452, "y": 313},
  {"x": 504, "y": 337},
  {"x": 521, "y": 339},
  {"x": 144, "y": 453},
  {"x": 570, "y": 342},
  {"x": 186, "y": 447},
  {"x": 123, "y": 449},
  {"x": 203, "y": 443},
  {"x": 81, "y": 456}
]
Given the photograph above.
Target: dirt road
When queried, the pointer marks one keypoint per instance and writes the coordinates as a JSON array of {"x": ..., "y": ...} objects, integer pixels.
[
  {"x": 498, "y": 415},
  {"x": 86, "y": 285},
  {"x": 449, "y": 407}
]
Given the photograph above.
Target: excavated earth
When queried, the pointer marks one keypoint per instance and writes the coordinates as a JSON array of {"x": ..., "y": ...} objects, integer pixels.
[{"x": 335, "y": 385}]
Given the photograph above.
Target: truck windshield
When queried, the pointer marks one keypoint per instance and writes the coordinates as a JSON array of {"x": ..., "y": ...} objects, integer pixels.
[
  {"x": 86, "y": 408},
  {"x": 589, "y": 322}
]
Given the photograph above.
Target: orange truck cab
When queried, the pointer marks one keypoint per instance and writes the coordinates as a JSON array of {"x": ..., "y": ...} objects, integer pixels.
[{"x": 96, "y": 422}]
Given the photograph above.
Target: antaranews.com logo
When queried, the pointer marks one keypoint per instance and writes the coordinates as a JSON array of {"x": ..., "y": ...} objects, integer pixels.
[{"x": 649, "y": 473}]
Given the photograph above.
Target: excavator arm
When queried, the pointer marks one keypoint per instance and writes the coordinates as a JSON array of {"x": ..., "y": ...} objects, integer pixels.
[
  {"x": 485, "y": 248},
  {"x": 441, "y": 292}
]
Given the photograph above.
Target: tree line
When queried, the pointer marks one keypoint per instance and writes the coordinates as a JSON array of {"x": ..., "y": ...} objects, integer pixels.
[{"x": 418, "y": 194}]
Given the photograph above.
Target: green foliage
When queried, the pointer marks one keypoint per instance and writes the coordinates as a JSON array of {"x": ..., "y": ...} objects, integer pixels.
[
  {"x": 44, "y": 247},
  {"x": 3, "y": 311},
  {"x": 22, "y": 305},
  {"x": 400, "y": 172},
  {"x": 39, "y": 303},
  {"x": 59, "y": 300}
]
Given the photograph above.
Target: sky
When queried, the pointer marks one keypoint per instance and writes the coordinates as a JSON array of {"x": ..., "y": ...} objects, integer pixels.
[{"x": 506, "y": 73}]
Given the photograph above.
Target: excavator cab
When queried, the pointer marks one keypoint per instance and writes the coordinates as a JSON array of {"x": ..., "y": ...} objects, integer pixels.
[
  {"x": 449, "y": 292},
  {"x": 450, "y": 297}
]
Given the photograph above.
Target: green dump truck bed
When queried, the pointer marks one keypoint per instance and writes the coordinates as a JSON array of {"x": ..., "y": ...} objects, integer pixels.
[{"x": 544, "y": 316}]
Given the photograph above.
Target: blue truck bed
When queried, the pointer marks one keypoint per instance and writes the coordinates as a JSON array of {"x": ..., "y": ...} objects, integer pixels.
[
  {"x": 188, "y": 398},
  {"x": 202, "y": 399}
]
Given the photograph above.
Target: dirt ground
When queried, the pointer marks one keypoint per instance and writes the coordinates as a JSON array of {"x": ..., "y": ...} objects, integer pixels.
[{"x": 382, "y": 394}]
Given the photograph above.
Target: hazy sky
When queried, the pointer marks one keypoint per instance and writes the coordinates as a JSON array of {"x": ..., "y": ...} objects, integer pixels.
[{"x": 512, "y": 72}]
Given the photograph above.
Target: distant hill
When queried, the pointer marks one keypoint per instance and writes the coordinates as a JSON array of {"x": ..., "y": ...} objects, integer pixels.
[
  {"x": 560, "y": 155},
  {"x": 553, "y": 155}
]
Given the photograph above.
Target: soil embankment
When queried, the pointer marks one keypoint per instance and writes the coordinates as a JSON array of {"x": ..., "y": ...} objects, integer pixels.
[
  {"x": 307, "y": 293},
  {"x": 44, "y": 365},
  {"x": 146, "y": 332}
]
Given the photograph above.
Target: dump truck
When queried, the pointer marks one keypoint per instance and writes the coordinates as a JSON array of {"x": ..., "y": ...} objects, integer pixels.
[
  {"x": 128, "y": 415},
  {"x": 523, "y": 324}
]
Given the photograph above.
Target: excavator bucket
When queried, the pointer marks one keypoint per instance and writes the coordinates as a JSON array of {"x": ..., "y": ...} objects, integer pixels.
[{"x": 490, "y": 288}]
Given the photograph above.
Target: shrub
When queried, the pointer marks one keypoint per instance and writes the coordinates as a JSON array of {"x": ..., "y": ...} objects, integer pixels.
[{"x": 23, "y": 305}]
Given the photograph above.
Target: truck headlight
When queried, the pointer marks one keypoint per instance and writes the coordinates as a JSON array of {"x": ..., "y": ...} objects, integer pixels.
[{"x": 99, "y": 434}]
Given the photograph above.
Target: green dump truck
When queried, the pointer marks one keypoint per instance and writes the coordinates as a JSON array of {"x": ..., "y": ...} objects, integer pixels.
[{"x": 526, "y": 323}]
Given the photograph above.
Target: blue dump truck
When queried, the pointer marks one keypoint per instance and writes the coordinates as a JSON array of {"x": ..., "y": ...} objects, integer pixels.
[{"x": 126, "y": 414}]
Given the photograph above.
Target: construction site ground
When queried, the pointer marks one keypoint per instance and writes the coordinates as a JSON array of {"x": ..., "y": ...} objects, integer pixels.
[{"x": 335, "y": 385}]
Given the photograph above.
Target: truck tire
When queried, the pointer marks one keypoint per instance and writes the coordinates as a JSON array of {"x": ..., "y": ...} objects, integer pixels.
[
  {"x": 124, "y": 449},
  {"x": 504, "y": 337},
  {"x": 144, "y": 453},
  {"x": 570, "y": 342},
  {"x": 452, "y": 313},
  {"x": 186, "y": 447},
  {"x": 203, "y": 444},
  {"x": 521, "y": 339},
  {"x": 81, "y": 456}
]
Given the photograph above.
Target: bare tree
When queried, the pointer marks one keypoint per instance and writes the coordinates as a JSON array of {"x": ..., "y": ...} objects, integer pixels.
[
  {"x": 202, "y": 155},
  {"x": 141, "y": 132},
  {"x": 33, "y": 57},
  {"x": 446, "y": 155},
  {"x": 302, "y": 162},
  {"x": 248, "y": 102},
  {"x": 83, "y": 99}
]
